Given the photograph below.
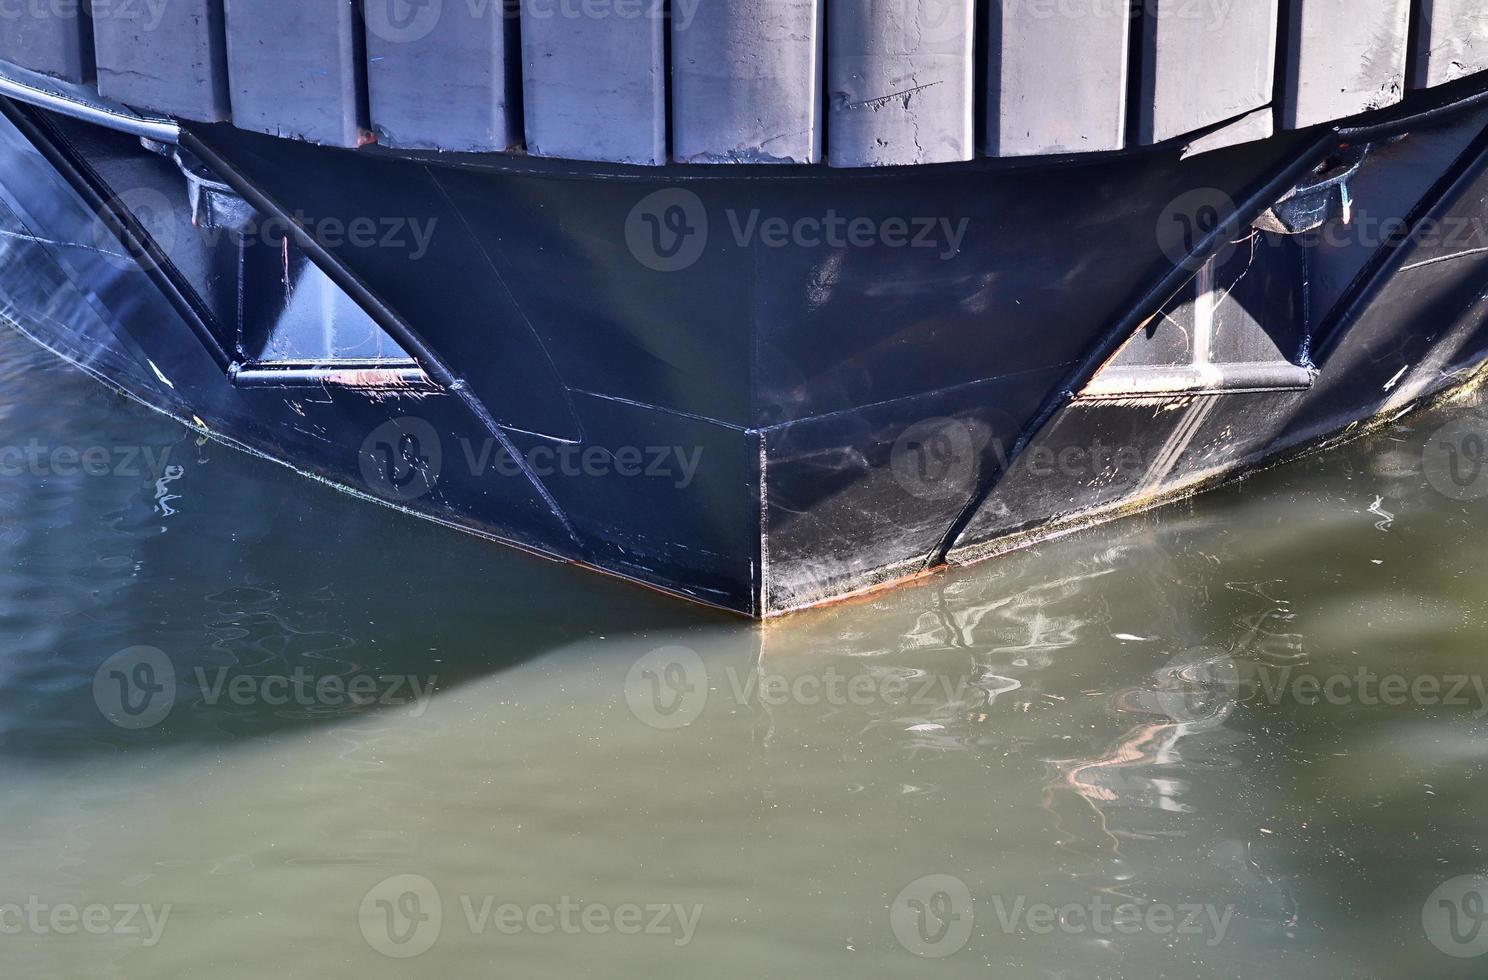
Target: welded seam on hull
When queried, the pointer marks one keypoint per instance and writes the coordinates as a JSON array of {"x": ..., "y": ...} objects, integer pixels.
[
  {"x": 763, "y": 602},
  {"x": 679, "y": 413},
  {"x": 526, "y": 321}
]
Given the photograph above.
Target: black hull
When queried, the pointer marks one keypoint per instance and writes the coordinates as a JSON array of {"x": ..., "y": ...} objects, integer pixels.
[{"x": 764, "y": 420}]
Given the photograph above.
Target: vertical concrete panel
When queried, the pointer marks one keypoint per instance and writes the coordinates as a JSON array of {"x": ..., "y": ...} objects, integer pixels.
[
  {"x": 443, "y": 75},
  {"x": 53, "y": 38},
  {"x": 294, "y": 69},
  {"x": 746, "y": 80},
  {"x": 1451, "y": 41},
  {"x": 594, "y": 80},
  {"x": 169, "y": 57},
  {"x": 1057, "y": 82},
  {"x": 1343, "y": 57},
  {"x": 900, "y": 79},
  {"x": 1204, "y": 63}
]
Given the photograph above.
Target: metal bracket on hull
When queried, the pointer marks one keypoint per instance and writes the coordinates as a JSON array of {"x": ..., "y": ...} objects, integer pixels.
[{"x": 1322, "y": 196}]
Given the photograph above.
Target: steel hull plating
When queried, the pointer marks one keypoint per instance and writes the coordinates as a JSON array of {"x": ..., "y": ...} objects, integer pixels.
[{"x": 764, "y": 392}]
